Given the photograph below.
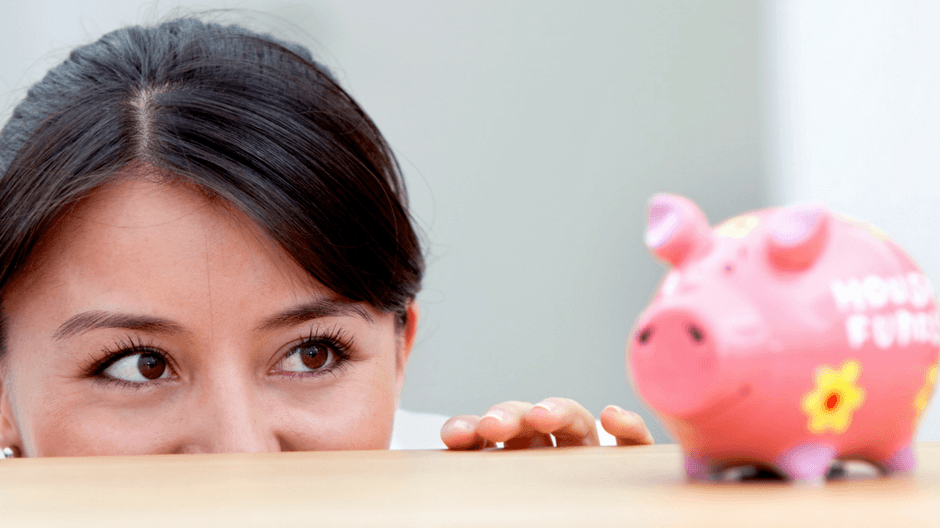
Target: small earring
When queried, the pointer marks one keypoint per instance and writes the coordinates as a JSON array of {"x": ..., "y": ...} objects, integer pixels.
[{"x": 7, "y": 453}]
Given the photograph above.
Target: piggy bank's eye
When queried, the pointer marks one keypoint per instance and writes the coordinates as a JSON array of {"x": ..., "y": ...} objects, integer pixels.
[
  {"x": 729, "y": 268},
  {"x": 696, "y": 334},
  {"x": 644, "y": 336}
]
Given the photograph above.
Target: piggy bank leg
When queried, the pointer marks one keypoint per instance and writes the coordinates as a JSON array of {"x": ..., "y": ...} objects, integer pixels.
[
  {"x": 903, "y": 460},
  {"x": 697, "y": 468},
  {"x": 807, "y": 463}
]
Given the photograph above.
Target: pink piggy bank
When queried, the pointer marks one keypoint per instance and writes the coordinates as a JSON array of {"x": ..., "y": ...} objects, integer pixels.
[{"x": 784, "y": 339}]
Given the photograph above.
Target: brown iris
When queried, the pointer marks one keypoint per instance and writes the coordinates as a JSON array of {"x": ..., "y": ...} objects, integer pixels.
[
  {"x": 314, "y": 356},
  {"x": 151, "y": 366}
]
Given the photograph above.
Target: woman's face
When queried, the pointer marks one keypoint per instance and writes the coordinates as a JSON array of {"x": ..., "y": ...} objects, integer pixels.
[{"x": 151, "y": 320}]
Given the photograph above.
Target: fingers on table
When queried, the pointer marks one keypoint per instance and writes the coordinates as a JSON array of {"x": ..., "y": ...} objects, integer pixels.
[
  {"x": 567, "y": 420},
  {"x": 460, "y": 433},
  {"x": 507, "y": 423},
  {"x": 626, "y": 426},
  {"x": 521, "y": 425}
]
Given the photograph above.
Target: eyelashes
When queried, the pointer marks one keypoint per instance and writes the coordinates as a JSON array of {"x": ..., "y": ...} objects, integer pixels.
[
  {"x": 131, "y": 362},
  {"x": 123, "y": 347},
  {"x": 317, "y": 355},
  {"x": 117, "y": 367}
]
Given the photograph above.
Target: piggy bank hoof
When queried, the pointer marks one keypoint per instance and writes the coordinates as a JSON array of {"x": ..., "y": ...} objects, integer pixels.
[
  {"x": 698, "y": 469},
  {"x": 902, "y": 461},
  {"x": 807, "y": 463}
]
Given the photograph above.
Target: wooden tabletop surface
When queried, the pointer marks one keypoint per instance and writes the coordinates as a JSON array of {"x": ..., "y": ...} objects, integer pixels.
[{"x": 605, "y": 486}]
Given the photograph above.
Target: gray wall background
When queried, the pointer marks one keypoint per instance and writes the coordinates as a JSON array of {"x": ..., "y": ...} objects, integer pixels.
[
  {"x": 531, "y": 134},
  {"x": 853, "y": 119}
]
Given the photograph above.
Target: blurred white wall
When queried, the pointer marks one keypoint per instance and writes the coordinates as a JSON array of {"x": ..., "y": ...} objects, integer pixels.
[
  {"x": 531, "y": 134},
  {"x": 853, "y": 105}
]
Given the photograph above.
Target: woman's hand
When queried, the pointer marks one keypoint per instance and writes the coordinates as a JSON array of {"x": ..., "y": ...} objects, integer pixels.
[
  {"x": 521, "y": 425},
  {"x": 627, "y": 427}
]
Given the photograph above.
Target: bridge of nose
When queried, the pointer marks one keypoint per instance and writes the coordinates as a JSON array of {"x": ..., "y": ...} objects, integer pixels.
[{"x": 226, "y": 414}]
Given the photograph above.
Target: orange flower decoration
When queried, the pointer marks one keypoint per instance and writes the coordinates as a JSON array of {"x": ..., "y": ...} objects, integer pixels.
[
  {"x": 920, "y": 402},
  {"x": 836, "y": 397}
]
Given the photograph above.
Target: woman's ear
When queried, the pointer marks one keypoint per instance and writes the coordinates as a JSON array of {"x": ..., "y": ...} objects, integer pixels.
[
  {"x": 406, "y": 342},
  {"x": 9, "y": 434}
]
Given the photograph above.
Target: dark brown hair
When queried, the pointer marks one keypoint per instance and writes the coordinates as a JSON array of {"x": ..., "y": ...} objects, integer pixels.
[{"x": 244, "y": 116}]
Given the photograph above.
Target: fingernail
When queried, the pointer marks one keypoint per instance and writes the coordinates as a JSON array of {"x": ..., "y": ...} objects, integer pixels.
[
  {"x": 548, "y": 405},
  {"x": 617, "y": 409},
  {"x": 498, "y": 414},
  {"x": 459, "y": 425}
]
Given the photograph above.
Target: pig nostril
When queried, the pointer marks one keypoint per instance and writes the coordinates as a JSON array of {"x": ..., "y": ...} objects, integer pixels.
[
  {"x": 696, "y": 334},
  {"x": 644, "y": 336}
]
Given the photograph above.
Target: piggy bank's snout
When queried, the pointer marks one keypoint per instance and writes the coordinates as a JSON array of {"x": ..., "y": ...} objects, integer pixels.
[
  {"x": 673, "y": 358},
  {"x": 694, "y": 333}
]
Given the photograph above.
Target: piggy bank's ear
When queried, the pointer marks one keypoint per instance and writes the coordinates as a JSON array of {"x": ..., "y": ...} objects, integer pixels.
[
  {"x": 676, "y": 228},
  {"x": 797, "y": 235}
]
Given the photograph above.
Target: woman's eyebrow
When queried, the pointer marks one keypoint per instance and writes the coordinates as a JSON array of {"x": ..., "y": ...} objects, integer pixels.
[
  {"x": 314, "y": 310},
  {"x": 93, "y": 319}
]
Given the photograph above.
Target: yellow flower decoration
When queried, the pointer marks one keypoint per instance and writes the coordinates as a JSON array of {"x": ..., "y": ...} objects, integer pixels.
[
  {"x": 836, "y": 396},
  {"x": 737, "y": 227},
  {"x": 920, "y": 402}
]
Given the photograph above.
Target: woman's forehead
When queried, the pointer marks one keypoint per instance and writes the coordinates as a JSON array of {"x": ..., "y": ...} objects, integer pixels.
[
  {"x": 161, "y": 217},
  {"x": 141, "y": 240},
  {"x": 141, "y": 195}
]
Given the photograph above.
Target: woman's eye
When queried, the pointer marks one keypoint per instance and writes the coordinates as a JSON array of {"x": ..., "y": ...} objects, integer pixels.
[
  {"x": 139, "y": 368},
  {"x": 310, "y": 357}
]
